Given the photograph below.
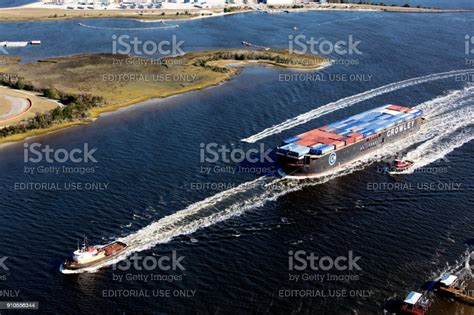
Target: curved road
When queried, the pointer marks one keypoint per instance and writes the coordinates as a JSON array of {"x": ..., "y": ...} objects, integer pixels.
[{"x": 16, "y": 106}]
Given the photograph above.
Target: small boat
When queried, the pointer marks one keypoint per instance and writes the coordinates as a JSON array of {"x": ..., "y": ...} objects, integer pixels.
[
  {"x": 244, "y": 43},
  {"x": 452, "y": 286},
  {"x": 90, "y": 256},
  {"x": 399, "y": 166},
  {"x": 415, "y": 303}
]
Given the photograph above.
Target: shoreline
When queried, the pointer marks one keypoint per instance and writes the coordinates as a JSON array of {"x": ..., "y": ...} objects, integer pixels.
[
  {"x": 96, "y": 112},
  {"x": 34, "y": 12}
]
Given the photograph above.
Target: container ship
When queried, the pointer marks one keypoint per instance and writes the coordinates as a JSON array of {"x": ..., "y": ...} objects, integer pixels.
[{"x": 321, "y": 150}]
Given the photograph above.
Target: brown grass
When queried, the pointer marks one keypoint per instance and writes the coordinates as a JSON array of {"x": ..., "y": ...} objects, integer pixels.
[
  {"x": 39, "y": 105},
  {"x": 125, "y": 80}
]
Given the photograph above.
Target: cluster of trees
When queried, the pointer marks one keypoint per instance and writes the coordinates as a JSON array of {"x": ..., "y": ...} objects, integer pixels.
[
  {"x": 183, "y": 13},
  {"x": 233, "y": 9},
  {"x": 241, "y": 56},
  {"x": 203, "y": 63},
  {"x": 74, "y": 106},
  {"x": 256, "y": 55},
  {"x": 406, "y": 5}
]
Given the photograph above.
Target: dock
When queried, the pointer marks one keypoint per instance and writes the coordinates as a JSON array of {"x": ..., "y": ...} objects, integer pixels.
[{"x": 19, "y": 44}]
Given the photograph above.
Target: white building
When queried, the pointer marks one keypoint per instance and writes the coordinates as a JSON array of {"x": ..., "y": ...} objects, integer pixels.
[
  {"x": 279, "y": 2},
  {"x": 189, "y": 4}
]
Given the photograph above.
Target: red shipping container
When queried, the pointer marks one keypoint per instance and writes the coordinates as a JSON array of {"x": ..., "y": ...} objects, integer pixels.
[
  {"x": 327, "y": 128},
  {"x": 356, "y": 135},
  {"x": 395, "y": 107},
  {"x": 339, "y": 144},
  {"x": 350, "y": 140},
  {"x": 319, "y": 134},
  {"x": 326, "y": 140},
  {"x": 307, "y": 142},
  {"x": 310, "y": 134}
]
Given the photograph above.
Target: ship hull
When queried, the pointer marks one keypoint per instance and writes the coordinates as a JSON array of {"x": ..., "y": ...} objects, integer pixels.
[
  {"x": 463, "y": 297},
  {"x": 310, "y": 166},
  {"x": 111, "y": 251}
]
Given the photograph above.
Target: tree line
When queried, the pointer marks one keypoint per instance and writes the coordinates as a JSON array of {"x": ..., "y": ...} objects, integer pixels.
[{"x": 75, "y": 106}]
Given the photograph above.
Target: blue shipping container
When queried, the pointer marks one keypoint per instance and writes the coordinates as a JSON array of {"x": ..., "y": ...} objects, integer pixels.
[{"x": 291, "y": 140}]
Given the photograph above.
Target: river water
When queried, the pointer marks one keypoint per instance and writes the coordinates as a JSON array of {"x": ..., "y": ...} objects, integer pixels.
[{"x": 236, "y": 231}]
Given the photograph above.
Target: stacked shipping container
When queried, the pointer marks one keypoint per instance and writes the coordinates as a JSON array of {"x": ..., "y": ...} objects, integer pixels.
[{"x": 325, "y": 139}]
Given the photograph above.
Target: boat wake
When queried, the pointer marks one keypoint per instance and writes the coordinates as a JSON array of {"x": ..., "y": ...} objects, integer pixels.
[
  {"x": 349, "y": 101},
  {"x": 447, "y": 116},
  {"x": 164, "y": 26},
  {"x": 461, "y": 266},
  {"x": 450, "y": 125}
]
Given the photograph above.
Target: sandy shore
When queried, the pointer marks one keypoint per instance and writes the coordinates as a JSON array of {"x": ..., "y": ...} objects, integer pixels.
[{"x": 38, "y": 11}]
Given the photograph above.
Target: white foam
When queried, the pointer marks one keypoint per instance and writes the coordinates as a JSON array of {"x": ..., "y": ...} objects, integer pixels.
[
  {"x": 451, "y": 114},
  {"x": 349, "y": 101}
]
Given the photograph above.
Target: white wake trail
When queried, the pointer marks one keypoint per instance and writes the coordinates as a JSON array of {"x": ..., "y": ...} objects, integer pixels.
[
  {"x": 349, "y": 101},
  {"x": 437, "y": 149},
  {"x": 450, "y": 114},
  {"x": 450, "y": 101}
]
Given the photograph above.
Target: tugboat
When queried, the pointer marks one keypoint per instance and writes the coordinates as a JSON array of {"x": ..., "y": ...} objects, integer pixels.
[
  {"x": 399, "y": 166},
  {"x": 89, "y": 256},
  {"x": 452, "y": 286},
  {"x": 415, "y": 303}
]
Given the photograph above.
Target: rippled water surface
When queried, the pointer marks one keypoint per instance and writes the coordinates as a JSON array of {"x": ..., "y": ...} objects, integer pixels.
[{"x": 235, "y": 237}]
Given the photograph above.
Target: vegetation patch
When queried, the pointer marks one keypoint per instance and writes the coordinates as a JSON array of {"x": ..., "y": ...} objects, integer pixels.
[{"x": 87, "y": 85}]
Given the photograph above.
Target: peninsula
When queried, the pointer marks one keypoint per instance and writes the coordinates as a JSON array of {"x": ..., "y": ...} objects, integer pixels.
[{"x": 88, "y": 85}]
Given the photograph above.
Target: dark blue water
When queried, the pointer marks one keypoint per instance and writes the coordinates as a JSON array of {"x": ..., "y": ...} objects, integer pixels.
[
  {"x": 14, "y": 3},
  {"x": 456, "y": 4},
  {"x": 236, "y": 248}
]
